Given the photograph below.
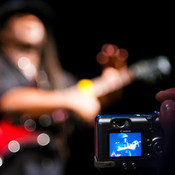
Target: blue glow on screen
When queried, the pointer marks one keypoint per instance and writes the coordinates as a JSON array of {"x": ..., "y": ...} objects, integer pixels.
[{"x": 125, "y": 144}]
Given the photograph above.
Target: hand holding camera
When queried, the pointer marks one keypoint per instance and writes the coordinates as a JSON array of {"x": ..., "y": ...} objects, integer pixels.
[{"x": 137, "y": 141}]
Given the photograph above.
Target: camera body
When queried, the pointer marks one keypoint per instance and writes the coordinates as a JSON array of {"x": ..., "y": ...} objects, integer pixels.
[{"x": 128, "y": 141}]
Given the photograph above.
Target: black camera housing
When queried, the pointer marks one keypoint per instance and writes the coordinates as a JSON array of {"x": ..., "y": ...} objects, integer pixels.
[{"x": 128, "y": 141}]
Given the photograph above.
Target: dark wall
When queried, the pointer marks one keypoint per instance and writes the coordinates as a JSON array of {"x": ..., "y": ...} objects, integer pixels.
[{"x": 145, "y": 32}]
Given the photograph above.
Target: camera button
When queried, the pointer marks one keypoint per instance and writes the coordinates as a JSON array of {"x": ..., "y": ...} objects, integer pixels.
[
  {"x": 148, "y": 156},
  {"x": 148, "y": 140},
  {"x": 157, "y": 148},
  {"x": 133, "y": 166},
  {"x": 124, "y": 165}
]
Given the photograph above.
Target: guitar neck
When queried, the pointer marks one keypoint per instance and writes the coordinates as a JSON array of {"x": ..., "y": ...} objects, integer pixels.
[
  {"x": 124, "y": 148},
  {"x": 146, "y": 70},
  {"x": 114, "y": 79}
]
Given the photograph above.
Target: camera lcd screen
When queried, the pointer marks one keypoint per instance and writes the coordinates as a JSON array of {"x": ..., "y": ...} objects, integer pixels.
[{"x": 125, "y": 144}]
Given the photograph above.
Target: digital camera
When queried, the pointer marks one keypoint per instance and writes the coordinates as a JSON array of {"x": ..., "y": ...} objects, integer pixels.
[{"x": 128, "y": 141}]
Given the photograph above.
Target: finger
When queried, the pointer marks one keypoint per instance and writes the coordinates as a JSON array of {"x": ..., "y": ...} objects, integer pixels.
[
  {"x": 109, "y": 48},
  {"x": 167, "y": 114},
  {"x": 165, "y": 95},
  {"x": 117, "y": 52},
  {"x": 123, "y": 54},
  {"x": 167, "y": 121},
  {"x": 102, "y": 58}
]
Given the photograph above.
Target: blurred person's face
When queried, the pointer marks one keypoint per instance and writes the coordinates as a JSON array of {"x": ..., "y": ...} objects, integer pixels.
[{"x": 25, "y": 29}]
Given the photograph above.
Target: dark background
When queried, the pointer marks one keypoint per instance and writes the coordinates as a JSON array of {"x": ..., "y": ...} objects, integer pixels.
[{"x": 144, "y": 30}]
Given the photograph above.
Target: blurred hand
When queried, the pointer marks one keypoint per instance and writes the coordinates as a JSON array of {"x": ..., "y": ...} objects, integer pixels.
[
  {"x": 112, "y": 56},
  {"x": 85, "y": 106}
]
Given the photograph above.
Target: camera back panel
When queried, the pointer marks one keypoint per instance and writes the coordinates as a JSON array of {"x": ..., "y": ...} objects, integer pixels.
[{"x": 128, "y": 141}]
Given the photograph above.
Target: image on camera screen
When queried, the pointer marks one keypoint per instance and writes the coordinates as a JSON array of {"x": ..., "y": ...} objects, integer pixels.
[{"x": 125, "y": 144}]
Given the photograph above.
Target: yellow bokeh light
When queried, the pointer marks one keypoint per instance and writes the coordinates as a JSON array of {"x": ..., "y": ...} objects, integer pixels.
[{"x": 86, "y": 87}]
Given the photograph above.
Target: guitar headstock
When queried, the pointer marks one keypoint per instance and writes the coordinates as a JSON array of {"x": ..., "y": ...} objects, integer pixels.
[
  {"x": 151, "y": 70},
  {"x": 112, "y": 56}
]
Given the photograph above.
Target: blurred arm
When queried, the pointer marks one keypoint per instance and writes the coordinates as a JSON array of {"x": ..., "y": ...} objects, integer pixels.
[{"x": 36, "y": 102}]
